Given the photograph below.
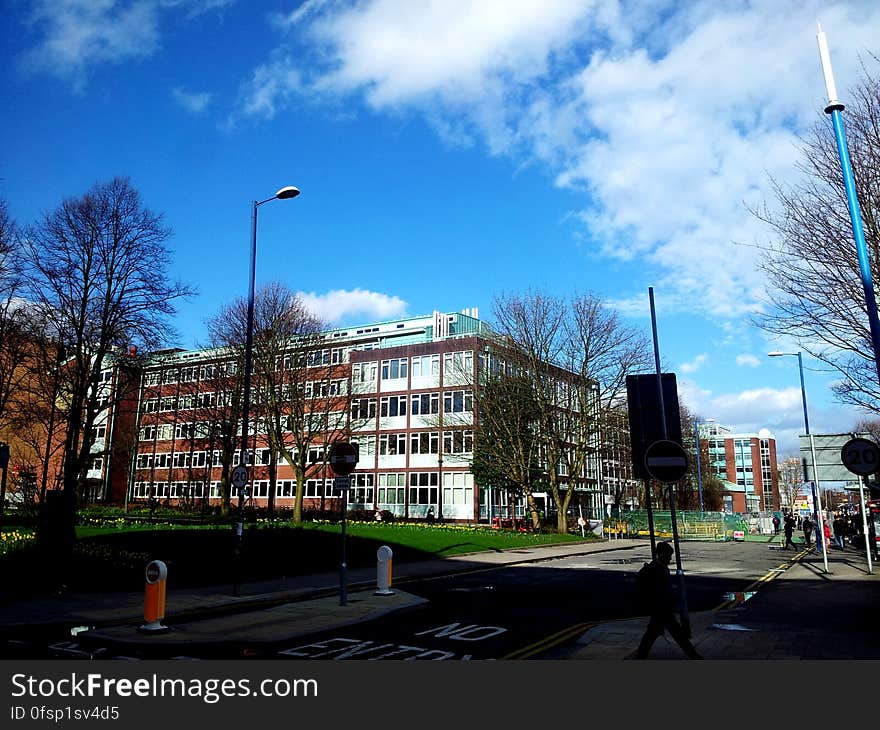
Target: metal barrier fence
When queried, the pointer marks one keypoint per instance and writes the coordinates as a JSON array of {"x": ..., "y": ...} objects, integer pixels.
[{"x": 714, "y": 526}]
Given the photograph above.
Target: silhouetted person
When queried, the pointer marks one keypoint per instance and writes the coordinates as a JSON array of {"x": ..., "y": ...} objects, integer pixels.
[
  {"x": 655, "y": 587},
  {"x": 789, "y": 531},
  {"x": 807, "y": 524},
  {"x": 775, "y": 524}
]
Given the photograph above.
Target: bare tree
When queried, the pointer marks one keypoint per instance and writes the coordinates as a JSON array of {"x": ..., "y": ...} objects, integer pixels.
[
  {"x": 301, "y": 400},
  {"x": 577, "y": 354},
  {"x": 16, "y": 334},
  {"x": 303, "y": 394},
  {"x": 97, "y": 270},
  {"x": 507, "y": 448},
  {"x": 815, "y": 287},
  {"x": 791, "y": 482},
  {"x": 870, "y": 426}
]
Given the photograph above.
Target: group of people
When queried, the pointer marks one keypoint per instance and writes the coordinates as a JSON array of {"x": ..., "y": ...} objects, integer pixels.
[{"x": 837, "y": 532}]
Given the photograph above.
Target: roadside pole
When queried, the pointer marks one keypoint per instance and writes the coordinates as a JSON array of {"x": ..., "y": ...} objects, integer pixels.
[
  {"x": 861, "y": 456},
  {"x": 343, "y": 458},
  {"x": 865, "y": 522}
]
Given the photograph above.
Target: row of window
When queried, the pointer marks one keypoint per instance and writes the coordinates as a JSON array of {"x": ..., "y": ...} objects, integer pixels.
[
  {"x": 418, "y": 366},
  {"x": 214, "y": 458},
  {"x": 317, "y": 422},
  {"x": 392, "y": 489},
  {"x": 426, "y": 442},
  {"x": 420, "y": 404}
]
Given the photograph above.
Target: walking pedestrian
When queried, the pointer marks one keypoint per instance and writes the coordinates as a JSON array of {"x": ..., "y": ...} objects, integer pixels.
[
  {"x": 775, "y": 524},
  {"x": 827, "y": 534},
  {"x": 807, "y": 524},
  {"x": 655, "y": 588},
  {"x": 789, "y": 530},
  {"x": 839, "y": 531}
]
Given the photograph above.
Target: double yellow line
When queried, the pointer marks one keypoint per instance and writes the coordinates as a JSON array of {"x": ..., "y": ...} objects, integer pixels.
[
  {"x": 566, "y": 634},
  {"x": 548, "y": 642},
  {"x": 771, "y": 574}
]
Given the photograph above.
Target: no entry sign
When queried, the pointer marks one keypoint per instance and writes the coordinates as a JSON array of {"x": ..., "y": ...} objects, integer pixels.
[
  {"x": 666, "y": 461},
  {"x": 343, "y": 457}
]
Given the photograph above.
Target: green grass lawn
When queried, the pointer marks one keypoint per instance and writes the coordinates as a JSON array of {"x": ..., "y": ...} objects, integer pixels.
[{"x": 112, "y": 557}]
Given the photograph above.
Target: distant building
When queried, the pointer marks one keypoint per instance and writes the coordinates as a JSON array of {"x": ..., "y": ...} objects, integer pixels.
[
  {"x": 401, "y": 390},
  {"x": 747, "y": 463}
]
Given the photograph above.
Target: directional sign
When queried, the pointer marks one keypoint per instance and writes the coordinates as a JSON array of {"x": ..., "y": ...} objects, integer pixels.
[
  {"x": 666, "y": 461},
  {"x": 239, "y": 476},
  {"x": 343, "y": 457},
  {"x": 860, "y": 456}
]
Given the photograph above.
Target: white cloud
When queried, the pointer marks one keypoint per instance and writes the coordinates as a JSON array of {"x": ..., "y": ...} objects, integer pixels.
[
  {"x": 193, "y": 102},
  {"x": 778, "y": 410},
  {"x": 340, "y": 304},
  {"x": 269, "y": 88},
  {"x": 667, "y": 116},
  {"x": 75, "y": 35},
  {"x": 695, "y": 364},
  {"x": 746, "y": 360}
]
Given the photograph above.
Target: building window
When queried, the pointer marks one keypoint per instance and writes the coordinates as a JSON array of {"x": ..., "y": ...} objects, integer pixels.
[
  {"x": 424, "y": 443},
  {"x": 394, "y": 405},
  {"x": 366, "y": 445},
  {"x": 425, "y": 404},
  {"x": 392, "y": 443},
  {"x": 392, "y": 490},
  {"x": 394, "y": 369},
  {"x": 318, "y": 357},
  {"x": 458, "y": 363},
  {"x": 458, "y": 442},
  {"x": 458, "y": 488},
  {"x": 364, "y": 372},
  {"x": 425, "y": 365},
  {"x": 423, "y": 488},
  {"x": 458, "y": 401},
  {"x": 363, "y": 408},
  {"x": 361, "y": 491}
]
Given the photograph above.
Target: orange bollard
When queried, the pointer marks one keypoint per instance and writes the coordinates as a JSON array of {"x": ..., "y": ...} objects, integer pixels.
[{"x": 154, "y": 597}]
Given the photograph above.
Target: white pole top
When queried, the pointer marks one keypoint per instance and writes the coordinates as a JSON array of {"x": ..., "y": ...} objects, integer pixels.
[{"x": 826, "y": 66}]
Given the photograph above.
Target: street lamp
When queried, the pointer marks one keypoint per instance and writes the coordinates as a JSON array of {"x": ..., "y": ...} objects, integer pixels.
[
  {"x": 817, "y": 507},
  {"x": 283, "y": 194},
  {"x": 697, "y": 425}
]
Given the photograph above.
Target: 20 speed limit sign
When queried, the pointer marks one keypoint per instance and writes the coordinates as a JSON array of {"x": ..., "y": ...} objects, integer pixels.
[{"x": 861, "y": 456}]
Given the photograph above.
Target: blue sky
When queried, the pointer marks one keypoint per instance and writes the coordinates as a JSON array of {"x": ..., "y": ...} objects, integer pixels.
[{"x": 448, "y": 152}]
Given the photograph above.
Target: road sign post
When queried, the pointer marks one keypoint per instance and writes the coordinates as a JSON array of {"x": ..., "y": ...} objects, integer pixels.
[
  {"x": 667, "y": 462},
  {"x": 239, "y": 479},
  {"x": 343, "y": 459},
  {"x": 862, "y": 457}
]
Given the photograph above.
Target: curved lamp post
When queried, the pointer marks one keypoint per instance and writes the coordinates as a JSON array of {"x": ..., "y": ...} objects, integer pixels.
[
  {"x": 818, "y": 518},
  {"x": 283, "y": 194}
]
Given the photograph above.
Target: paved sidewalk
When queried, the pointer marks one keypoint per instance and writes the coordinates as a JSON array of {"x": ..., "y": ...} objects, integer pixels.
[{"x": 805, "y": 614}]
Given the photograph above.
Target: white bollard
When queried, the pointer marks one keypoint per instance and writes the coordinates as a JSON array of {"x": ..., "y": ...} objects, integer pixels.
[{"x": 383, "y": 571}]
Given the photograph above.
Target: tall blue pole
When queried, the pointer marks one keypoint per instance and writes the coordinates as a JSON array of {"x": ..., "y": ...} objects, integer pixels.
[{"x": 835, "y": 108}]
